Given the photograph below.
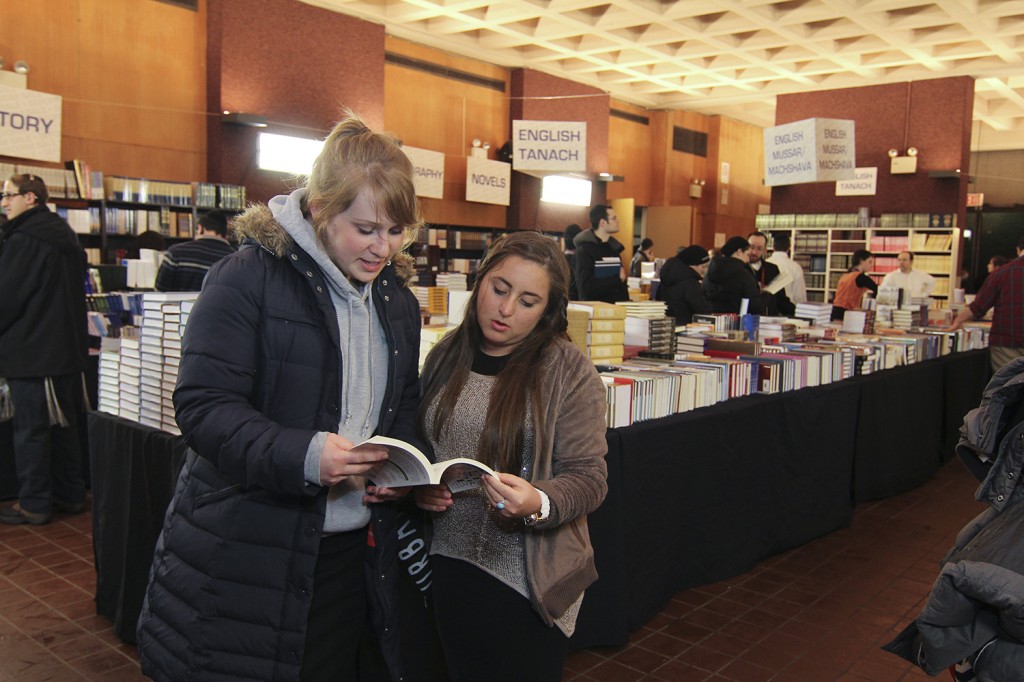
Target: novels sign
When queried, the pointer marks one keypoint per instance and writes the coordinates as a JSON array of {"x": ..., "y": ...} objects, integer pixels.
[
  {"x": 549, "y": 145},
  {"x": 488, "y": 181},
  {"x": 29, "y": 124},
  {"x": 812, "y": 150},
  {"x": 427, "y": 171}
]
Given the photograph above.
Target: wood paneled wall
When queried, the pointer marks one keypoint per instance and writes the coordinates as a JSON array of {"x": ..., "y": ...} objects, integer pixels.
[
  {"x": 629, "y": 152},
  {"x": 445, "y": 113},
  {"x": 729, "y": 208},
  {"x": 132, "y": 74}
]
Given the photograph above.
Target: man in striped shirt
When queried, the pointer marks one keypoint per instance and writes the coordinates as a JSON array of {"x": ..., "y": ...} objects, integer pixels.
[{"x": 185, "y": 265}]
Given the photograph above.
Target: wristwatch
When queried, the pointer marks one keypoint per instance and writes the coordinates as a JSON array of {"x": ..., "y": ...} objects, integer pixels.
[{"x": 545, "y": 511}]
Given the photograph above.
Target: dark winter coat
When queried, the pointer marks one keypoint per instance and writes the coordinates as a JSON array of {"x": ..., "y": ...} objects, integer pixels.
[
  {"x": 976, "y": 607},
  {"x": 774, "y": 304},
  {"x": 729, "y": 280},
  {"x": 260, "y": 374},
  {"x": 681, "y": 289},
  {"x": 590, "y": 250},
  {"x": 43, "y": 323}
]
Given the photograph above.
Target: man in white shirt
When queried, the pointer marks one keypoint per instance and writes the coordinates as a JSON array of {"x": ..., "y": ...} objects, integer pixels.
[
  {"x": 797, "y": 289},
  {"x": 919, "y": 283}
]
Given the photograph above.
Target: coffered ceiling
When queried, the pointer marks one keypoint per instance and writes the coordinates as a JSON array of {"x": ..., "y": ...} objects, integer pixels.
[{"x": 732, "y": 57}]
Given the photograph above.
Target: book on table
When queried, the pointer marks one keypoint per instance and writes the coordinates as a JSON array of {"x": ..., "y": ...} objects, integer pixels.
[{"x": 406, "y": 466}]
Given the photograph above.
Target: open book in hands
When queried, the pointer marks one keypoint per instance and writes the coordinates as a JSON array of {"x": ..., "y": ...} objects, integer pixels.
[
  {"x": 779, "y": 282},
  {"x": 406, "y": 466}
]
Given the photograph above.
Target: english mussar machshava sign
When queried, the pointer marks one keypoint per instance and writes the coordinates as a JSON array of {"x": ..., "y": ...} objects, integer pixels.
[
  {"x": 549, "y": 145},
  {"x": 812, "y": 150}
]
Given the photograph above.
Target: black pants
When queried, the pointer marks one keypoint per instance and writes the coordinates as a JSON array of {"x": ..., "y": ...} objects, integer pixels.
[
  {"x": 489, "y": 631},
  {"x": 337, "y": 630},
  {"x": 47, "y": 458}
]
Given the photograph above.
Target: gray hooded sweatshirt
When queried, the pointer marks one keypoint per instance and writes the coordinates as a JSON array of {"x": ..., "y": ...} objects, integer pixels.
[{"x": 364, "y": 359}]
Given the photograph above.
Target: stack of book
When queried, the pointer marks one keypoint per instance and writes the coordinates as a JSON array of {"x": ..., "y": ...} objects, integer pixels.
[
  {"x": 453, "y": 281},
  {"x": 776, "y": 329},
  {"x": 160, "y": 338},
  {"x": 859, "y": 321},
  {"x": 129, "y": 369},
  {"x": 429, "y": 336},
  {"x": 109, "y": 373},
  {"x": 656, "y": 336},
  {"x": 906, "y": 318},
  {"x": 598, "y": 329},
  {"x": 432, "y": 300},
  {"x": 819, "y": 314},
  {"x": 646, "y": 309}
]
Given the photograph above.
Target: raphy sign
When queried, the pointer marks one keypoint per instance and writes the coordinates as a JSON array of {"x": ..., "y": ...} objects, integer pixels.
[
  {"x": 549, "y": 145},
  {"x": 812, "y": 150},
  {"x": 487, "y": 181},
  {"x": 427, "y": 171},
  {"x": 29, "y": 124}
]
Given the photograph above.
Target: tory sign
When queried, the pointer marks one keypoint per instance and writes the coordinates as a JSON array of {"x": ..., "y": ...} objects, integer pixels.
[{"x": 29, "y": 124}]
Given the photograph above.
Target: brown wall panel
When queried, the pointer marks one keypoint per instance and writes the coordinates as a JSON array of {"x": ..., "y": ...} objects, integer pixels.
[
  {"x": 444, "y": 113},
  {"x": 132, "y": 75},
  {"x": 629, "y": 154},
  {"x": 741, "y": 146},
  {"x": 538, "y": 96},
  {"x": 295, "y": 64},
  {"x": 932, "y": 115}
]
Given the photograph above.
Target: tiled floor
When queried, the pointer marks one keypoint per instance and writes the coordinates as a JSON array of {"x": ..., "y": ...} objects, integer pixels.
[{"x": 817, "y": 613}]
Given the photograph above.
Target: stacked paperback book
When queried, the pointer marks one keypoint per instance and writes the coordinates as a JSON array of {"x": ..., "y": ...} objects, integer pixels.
[{"x": 598, "y": 329}]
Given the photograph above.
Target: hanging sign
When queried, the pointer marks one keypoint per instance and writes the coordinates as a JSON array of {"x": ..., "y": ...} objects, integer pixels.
[
  {"x": 427, "y": 171},
  {"x": 488, "y": 181},
  {"x": 549, "y": 145},
  {"x": 812, "y": 150},
  {"x": 865, "y": 183},
  {"x": 29, "y": 124}
]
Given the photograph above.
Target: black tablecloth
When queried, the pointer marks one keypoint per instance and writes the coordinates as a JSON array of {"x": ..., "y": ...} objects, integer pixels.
[
  {"x": 134, "y": 470},
  {"x": 693, "y": 498}
]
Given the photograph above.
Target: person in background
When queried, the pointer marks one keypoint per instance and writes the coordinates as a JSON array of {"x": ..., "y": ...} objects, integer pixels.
[
  {"x": 764, "y": 272},
  {"x": 185, "y": 265},
  {"x": 680, "y": 285},
  {"x": 796, "y": 290},
  {"x": 1003, "y": 293},
  {"x": 918, "y": 283},
  {"x": 570, "y": 256},
  {"x": 301, "y": 345},
  {"x": 729, "y": 280},
  {"x": 854, "y": 284},
  {"x": 593, "y": 246},
  {"x": 645, "y": 254},
  {"x": 509, "y": 388},
  {"x": 996, "y": 262},
  {"x": 147, "y": 239},
  {"x": 44, "y": 347}
]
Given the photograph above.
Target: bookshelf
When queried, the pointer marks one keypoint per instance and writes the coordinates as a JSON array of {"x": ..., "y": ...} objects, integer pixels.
[
  {"x": 108, "y": 211},
  {"x": 824, "y": 243},
  {"x": 109, "y": 224},
  {"x": 455, "y": 248}
]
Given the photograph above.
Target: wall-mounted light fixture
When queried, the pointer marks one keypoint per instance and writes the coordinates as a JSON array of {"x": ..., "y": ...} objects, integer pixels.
[
  {"x": 22, "y": 67},
  {"x": 479, "y": 149},
  {"x": 610, "y": 177},
  {"x": 901, "y": 165},
  {"x": 564, "y": 189},
  {"x": 288, "y": 154},
  {"x": 696, "y": 188},
  {"x": 238, "y": 118}
]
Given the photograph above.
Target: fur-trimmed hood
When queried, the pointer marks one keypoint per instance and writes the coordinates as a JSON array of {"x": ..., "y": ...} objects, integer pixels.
[{"x": 258, "y": 226}]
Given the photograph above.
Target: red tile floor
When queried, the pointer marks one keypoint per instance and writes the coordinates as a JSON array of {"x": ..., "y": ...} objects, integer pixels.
[{"x": 816, "y": 613}]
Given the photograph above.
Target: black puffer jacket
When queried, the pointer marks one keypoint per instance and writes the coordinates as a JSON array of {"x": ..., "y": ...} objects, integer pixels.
[
  {"x": 976, "y": 608},
  {"x": 729, "y": 280},
  {"x": 43, "y": 327},
  {"x": 260, "y": 374},
  {"x": 680, "y": 287}
]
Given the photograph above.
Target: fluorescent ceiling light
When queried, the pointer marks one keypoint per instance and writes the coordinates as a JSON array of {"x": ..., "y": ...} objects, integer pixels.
[
  {"x": 560, "y": 189},
  {"x": 288, "y": 154}
]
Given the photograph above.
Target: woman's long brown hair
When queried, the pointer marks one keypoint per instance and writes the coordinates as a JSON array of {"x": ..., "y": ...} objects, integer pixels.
[{"x": 518, "y": 384}]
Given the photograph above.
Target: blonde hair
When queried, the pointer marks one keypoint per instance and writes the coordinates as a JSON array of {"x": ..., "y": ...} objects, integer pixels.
[{"x": 355, "y": 158}]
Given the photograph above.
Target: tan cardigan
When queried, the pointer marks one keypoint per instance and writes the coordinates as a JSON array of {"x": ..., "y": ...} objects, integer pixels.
[{"x": 569, "y": 467}]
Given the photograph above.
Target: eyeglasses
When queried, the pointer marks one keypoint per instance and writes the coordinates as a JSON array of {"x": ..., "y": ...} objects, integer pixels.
[{"x": 10, "y": 195}]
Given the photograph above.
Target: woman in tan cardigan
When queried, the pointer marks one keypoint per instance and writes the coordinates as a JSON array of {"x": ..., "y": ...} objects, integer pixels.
[{"x": 512, "y": 558}]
